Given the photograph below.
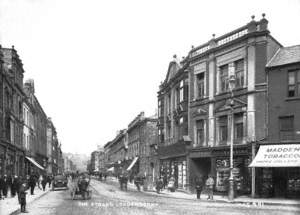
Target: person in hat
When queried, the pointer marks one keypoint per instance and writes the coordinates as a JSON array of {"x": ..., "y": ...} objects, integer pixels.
[
  {"x": 210, "y": 186},
  {"x": 22, "y": 196},
  {"x": 1, "y": 186},
  {"x": 14, "y": 185},
  {"x": 5, "y": 186},
  {"x": 198, "y": 186}
]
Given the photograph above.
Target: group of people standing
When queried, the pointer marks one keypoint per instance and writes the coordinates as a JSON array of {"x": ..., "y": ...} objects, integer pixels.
[
  {"x": 19, "y": 185},
  {"x": 8, "y": 183},
  {"x": 208, "y": 186}
]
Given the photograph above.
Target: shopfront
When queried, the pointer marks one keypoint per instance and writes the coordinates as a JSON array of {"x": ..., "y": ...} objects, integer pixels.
[
  {"x": 278, "y": 170},
  {"x": 175, "y": 167},
  {"x": 241, "y": 170}
]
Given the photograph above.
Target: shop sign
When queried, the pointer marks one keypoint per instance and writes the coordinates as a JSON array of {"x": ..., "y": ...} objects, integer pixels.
[
  {"x": 287, "y": 155},
  {"x": 226, "y": 152}
]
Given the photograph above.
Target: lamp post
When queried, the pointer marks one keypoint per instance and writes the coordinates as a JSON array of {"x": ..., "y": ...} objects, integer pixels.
[{"x": 231, "y": 180}]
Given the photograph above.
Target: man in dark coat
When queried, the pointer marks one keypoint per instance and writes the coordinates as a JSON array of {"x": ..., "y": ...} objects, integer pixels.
[
  {"x": 5, "y": 186},
  {"x": 159, "y": 185},
  {"x": 138, "y": 182},
  {"x": 22, "y": 196},
  {"x": 1, "y": 186},
  {"x": 49, "y": 180},
  {"x": 32, "y": 183},
  {"x": 14, "y": 185},
  {"x": 199, "y": 186},
  {"x": 44, "y": 182}
]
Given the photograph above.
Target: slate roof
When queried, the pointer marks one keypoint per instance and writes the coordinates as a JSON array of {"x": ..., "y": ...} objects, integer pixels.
[{"x": 285, "y": 55}]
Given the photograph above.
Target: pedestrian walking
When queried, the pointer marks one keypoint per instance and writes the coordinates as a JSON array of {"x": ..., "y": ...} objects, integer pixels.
[
  {"x": 22, "y": 197},
  {"x": 14, "y": 185},
  {"x": 138, "y": 182},
  {"x": 44, "y": 182},
  {"x": 32, "y": 183},
  {"x": 210, "y": 186},
  {"x": 199, "y": 186},
  {"x": 159, "y": 185},
  {"x": 1, "y": 187},
  {"x": 5, "y": 186},
  {"x": 49, "y": 180},
  {"x": 165, "y": 181}
]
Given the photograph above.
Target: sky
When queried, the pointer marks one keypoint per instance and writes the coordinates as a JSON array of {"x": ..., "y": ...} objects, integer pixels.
[{"x": 97, "y": 64}]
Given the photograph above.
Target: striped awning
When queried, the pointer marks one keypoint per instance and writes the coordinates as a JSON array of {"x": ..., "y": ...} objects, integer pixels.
[
  {"x": 35, "y": 163},
  {"x": 132, "y": 163}
]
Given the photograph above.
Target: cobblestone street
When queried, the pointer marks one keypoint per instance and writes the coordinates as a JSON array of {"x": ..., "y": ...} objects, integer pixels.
[{"x": 108, "y": 199}]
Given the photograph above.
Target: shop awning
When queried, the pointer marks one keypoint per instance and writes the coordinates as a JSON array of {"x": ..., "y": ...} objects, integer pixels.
[
  {"x": 111, "y": 169},
  {"x": 35, "y": 163},
  {"x": 132, "y": 163},
  {"x": 287, "y": 155}
]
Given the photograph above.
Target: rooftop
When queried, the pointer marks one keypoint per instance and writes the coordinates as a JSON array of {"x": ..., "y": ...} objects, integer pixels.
[{"x": 285, "y": 55}]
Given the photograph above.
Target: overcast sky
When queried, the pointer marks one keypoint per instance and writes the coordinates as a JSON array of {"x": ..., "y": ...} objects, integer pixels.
[{"x": 97, "y": 64}]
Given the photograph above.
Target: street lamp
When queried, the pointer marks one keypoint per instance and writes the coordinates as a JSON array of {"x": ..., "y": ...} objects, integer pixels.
[{"x": 231, "y": 104}]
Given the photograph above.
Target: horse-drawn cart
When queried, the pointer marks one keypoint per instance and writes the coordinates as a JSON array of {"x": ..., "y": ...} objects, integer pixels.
[{"x": 80, "y": 187}]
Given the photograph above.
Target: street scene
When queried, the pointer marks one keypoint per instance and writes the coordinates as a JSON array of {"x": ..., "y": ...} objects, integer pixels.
[{"x": 149, "y": 107}]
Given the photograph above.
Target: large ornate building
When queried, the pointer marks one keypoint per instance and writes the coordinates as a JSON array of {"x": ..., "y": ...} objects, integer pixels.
[{"x": 210, "y": 108}]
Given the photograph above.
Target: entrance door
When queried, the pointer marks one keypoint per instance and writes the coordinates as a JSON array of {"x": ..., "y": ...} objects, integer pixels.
[
  {"x": 280, "y": 182},
  {"x": 202, "y": 167}
]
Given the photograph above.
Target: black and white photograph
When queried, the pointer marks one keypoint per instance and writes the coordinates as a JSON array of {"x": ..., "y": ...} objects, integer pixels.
[{"x": 150, "y": 107}]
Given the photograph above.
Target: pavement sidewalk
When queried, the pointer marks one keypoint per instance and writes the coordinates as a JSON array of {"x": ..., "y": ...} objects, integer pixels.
[
  {"x": 245, "y": 200},
  {"x": 11, "y": 205}
]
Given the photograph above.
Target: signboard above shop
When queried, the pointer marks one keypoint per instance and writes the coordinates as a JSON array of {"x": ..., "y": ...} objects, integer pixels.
[{"x": 287, "y": 155}]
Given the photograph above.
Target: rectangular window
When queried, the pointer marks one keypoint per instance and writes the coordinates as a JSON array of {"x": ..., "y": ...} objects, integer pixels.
[
  {"x": 286, "y": 126},
  {"x": 224, "y": 78},
  {"x": 200, "y": 132},
  {"x": 169, "y": 104},
  {"x": 238, "y": 126},
  {"x": 239, "y": 73},
  {"x": 294, "y": 83},
  {"x": 200, "y": 85},
  {"x": 181, "y": 88},
  {"x": 223, "y": 132}
]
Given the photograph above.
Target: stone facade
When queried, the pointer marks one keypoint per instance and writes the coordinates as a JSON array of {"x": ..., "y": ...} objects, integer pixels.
[{"x": 12, "y": 156}]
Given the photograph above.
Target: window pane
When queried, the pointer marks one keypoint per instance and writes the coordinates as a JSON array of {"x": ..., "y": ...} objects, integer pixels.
[
  {"x": 291, "y": 78},
  {"x": 286, "y": 123},
  {"x": 291, "y": 91},
  {"x": 298, "y": 76},
  {"x": 200, "y": 85}
]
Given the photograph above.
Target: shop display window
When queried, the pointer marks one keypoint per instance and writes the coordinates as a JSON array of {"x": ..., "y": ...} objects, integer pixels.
[
  {"x": 293, "y": 183},
  {"x": 240, "y": 174},
  {"x": 266, "y": 182}
]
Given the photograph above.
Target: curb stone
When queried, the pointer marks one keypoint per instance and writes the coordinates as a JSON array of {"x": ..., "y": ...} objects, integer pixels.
[
  {"x": 245, "y": 203},
  {"x": 37, "y": 198}
]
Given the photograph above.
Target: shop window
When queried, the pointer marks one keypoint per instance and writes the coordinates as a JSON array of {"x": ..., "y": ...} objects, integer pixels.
[
  {"x": 239, "y": 73},
  {"x": 238, "y": 126},
  {"x": 294, "y": 83},
  {"x": 286, "y": 126},
  {"x": 200, "y": 132},
  {"x": 223, "y": 129},
  {"x": 200, "y": 85},
  {"x": 224, "y": 78}
]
